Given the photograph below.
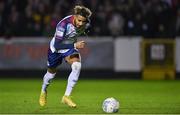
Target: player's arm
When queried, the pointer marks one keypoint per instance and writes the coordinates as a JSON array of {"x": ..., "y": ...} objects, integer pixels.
[
  {"x": 59, "y": 37},
  {"x": 60, "y": 45}
]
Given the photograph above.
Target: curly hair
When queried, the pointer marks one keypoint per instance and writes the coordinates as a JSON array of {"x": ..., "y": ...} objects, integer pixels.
[{"x": 83, "y": 11}]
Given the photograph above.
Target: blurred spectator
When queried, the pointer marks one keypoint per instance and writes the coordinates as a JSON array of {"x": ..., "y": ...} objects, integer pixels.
[
  {"x": 148, "y": 18},
  {"x": 2, "y": 18},
  {"x": 116, "y": 24},
  {"x": 178, "y": 23}
]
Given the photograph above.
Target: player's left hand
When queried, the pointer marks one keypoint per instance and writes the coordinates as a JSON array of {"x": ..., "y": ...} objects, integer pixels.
[{"x": 80, "y": 44}]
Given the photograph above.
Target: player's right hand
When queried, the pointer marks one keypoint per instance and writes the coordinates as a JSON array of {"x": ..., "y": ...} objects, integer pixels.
[{"x": 79, "y": 44}]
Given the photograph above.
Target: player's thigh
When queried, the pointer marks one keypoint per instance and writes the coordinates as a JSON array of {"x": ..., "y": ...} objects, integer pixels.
[
  {"x": 52, "y": 70},
  {"x": 73, "y": 58},
  {"x": 54, "y": 60}
]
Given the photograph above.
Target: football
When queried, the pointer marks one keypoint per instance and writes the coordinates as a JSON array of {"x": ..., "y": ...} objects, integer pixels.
[{"x": 110, "y": 105}]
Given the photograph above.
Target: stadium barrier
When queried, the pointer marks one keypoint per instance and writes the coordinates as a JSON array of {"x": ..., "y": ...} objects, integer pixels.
[
  {"x": 158, "y": 59},
  {"x": 31, "y": 53},
  {"x": 102, "y": 54}
]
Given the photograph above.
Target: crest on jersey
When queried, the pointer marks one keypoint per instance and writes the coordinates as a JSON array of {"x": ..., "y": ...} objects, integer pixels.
[
  {"x": 71, "y": 31},
  {"x": 60, "y": 31}
]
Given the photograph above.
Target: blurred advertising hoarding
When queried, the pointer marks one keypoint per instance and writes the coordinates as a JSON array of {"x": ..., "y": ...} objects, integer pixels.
[
  {"x": 122, "y": 54},
  {"x": 158, "y": 58},
  {"x": 127, "y": 54},
  {"x": 31, "y": 53},
  {"x": 177, "y": 53}
]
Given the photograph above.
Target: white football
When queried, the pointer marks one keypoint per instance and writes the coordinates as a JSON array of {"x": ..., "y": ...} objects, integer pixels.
[{"x": 110, "y": 105}]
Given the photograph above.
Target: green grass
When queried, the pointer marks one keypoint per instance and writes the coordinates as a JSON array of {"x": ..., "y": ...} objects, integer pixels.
[{"x": 135, "y": 96}]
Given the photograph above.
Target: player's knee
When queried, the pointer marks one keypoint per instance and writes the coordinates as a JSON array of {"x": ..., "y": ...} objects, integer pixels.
[
  {"x": 52, "y": 70},
  {"x": 76, "y": 66}
]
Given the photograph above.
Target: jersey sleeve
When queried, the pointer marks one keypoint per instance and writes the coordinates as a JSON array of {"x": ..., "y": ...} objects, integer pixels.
[{"x": 60, "y": 36}]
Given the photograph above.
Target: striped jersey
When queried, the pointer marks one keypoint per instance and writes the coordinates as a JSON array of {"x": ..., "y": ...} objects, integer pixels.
[{"x": 65, "y": 35}]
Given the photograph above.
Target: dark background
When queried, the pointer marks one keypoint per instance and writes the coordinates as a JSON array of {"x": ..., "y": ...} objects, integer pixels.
[
  {"x": 148, "y": 18},
  {"x": 114, "y": 18}
]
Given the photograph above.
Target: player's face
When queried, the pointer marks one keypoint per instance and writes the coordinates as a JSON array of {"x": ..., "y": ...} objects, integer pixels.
[{"x": 79, "y": 21}]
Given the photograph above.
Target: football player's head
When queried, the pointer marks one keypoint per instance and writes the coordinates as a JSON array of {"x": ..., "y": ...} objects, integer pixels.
[{"x": 82, "y": 15}]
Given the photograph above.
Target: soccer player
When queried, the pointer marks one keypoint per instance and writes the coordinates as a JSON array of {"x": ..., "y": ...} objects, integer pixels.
[{"x": 64, "y": 45}]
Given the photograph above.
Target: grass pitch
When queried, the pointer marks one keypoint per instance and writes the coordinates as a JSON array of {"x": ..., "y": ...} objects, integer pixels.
[{"x": 135, "y": 96}]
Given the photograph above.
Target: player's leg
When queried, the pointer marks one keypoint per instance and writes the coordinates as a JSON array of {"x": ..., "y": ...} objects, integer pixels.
[
  {"x": 75, "y": 62},
  {"x": 46, "y": 81},
  {"x": 51, "y": 72},
  {"x": 54, "y": 59}
]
